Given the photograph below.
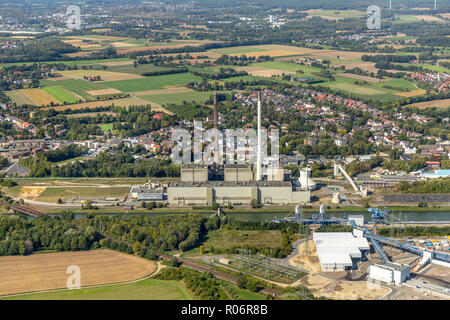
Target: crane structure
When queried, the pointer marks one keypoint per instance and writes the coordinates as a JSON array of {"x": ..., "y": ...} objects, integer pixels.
[{"x": 338, "y": 169}]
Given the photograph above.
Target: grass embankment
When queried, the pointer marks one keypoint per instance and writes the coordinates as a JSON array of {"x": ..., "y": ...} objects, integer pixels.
[{"x": 149, "y": 289}]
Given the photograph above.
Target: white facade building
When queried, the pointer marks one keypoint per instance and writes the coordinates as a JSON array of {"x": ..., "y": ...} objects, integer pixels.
[
  {"x": 390, "y": 272},
  {"x": 338, "y": 251}
]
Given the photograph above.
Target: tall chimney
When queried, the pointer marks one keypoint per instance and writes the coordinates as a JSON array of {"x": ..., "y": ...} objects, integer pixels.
[
  {"x": 259, "y": 147},
  {"x": 216, "y": 122}
]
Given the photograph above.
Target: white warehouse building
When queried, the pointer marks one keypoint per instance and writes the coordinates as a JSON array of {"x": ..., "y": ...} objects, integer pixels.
[
  {"x": 338, "y": 251},
  {"x": 390, "y": 272}
]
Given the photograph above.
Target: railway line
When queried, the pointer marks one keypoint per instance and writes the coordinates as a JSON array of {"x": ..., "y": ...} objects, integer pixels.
[
  {"x": 202, "y": 268},
  {"x": 217, "y": 274}
]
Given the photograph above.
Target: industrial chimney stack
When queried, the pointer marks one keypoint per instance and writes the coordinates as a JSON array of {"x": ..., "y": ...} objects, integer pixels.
[
  {"x": 259, "y": 147},
  {"x": 216, "y": 123}
]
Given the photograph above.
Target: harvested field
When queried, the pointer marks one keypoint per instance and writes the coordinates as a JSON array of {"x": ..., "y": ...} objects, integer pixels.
[
  {"x": 412, "y": 93},
  {"x": 262, "y": 71},
  {"x": 360, "y": 77},
  {"x": 157, "y": 47},
  {"x": 19, "y": 97},
  {"x": 105, "y": 75},
  {"x": 116, "y": 63},
  {"x": 367, "y": 66},
  {"x": 79, "y": 53},
  {"x": 445, "y": 103},
  {"x": 98, "y": 37},
  {"x": 272, "y": 53},
  {"x": 119, "y": 44},
  {"x": 335, "y": 14},
  {"x": 39, "y": 272},
  {"x": 103, "y": 92},
  {"x": 39, "y": 97},
  {"x": 429, "y": 18}
]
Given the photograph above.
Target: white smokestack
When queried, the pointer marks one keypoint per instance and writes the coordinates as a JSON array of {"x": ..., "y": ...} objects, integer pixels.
[
  {"x": 390, "y": 4},
  {"x": 259, "y": 149},
  {"x": 435, "y": 4}
]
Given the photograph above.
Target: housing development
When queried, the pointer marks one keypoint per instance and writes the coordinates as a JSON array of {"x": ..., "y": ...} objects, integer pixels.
[{"x": 206, "y": 150}]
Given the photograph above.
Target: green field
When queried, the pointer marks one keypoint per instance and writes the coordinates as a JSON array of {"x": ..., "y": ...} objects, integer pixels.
[
  {"x": 79, "y": 87},
  {"x": 72, "y": 62},
  {"x": 342, "y": 14},
  {"x": 149, "y": 289},
  {"x": 234, "y": 238},
  {"x": 106, "y": 126},
  {"x": 178, "y": 98},
  {"x": 371, "y": 90},
  {"x": 280, "y": 65},
  {"x": 61, "y": 94},
  {"x": 243, "y": 78},
  {"x": 153, "y": 83},
  {"x": 139, "y": 69}
]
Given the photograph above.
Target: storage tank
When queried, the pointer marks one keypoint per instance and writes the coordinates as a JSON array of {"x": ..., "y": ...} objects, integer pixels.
[{"x": 305, "y": 180}]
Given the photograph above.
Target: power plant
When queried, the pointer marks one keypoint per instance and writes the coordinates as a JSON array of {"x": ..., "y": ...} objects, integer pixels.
[{"x": 239, "y": 183}]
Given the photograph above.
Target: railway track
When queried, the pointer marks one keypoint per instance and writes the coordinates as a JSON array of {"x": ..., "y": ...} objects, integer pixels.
[
  {"x": 217, "y": 274},
  {"x": 202, "y": 268}
]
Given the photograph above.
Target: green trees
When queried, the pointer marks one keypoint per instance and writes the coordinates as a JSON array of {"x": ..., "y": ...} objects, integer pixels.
[{"x": 21, "y": 236}]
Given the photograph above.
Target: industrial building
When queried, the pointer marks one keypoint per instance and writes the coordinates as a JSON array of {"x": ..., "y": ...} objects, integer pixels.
[
  {"x": 238, "y": 183},
  {"x": 143, "y": 193},
  {"x": 339, "y": 251},
  {"x": 233, "y": 184},
  {"x": 390, "y": 272}
]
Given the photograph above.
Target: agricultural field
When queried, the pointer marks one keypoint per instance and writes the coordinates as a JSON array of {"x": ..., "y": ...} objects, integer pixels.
[
  {"x": 122, "y": 102},
  {"x": 153, "y": 83},
  {"x": 76, "y": 86},
  {"x": 415, "y": 18},
  {"x": 376, "y": 90},
  {"x": 61, "y": 94},
  {"x": 335, "y": 14},
  {"x": 105, "y": 75},
  {"x": 272, "y": 50},
  {"x": 189, "y": 96},
  {"x": 444, "y": 103},
  {"x": 40, "y": 272},
  {"x": 138, "y": 70},
  {"x": 79, "y": 62},
  {"x": 36, "y": 97},
  {"x": 148, "y": 289}
]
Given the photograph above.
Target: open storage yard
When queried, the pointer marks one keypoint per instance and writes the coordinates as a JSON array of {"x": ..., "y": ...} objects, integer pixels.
[{"x": 40, "y": 272}]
